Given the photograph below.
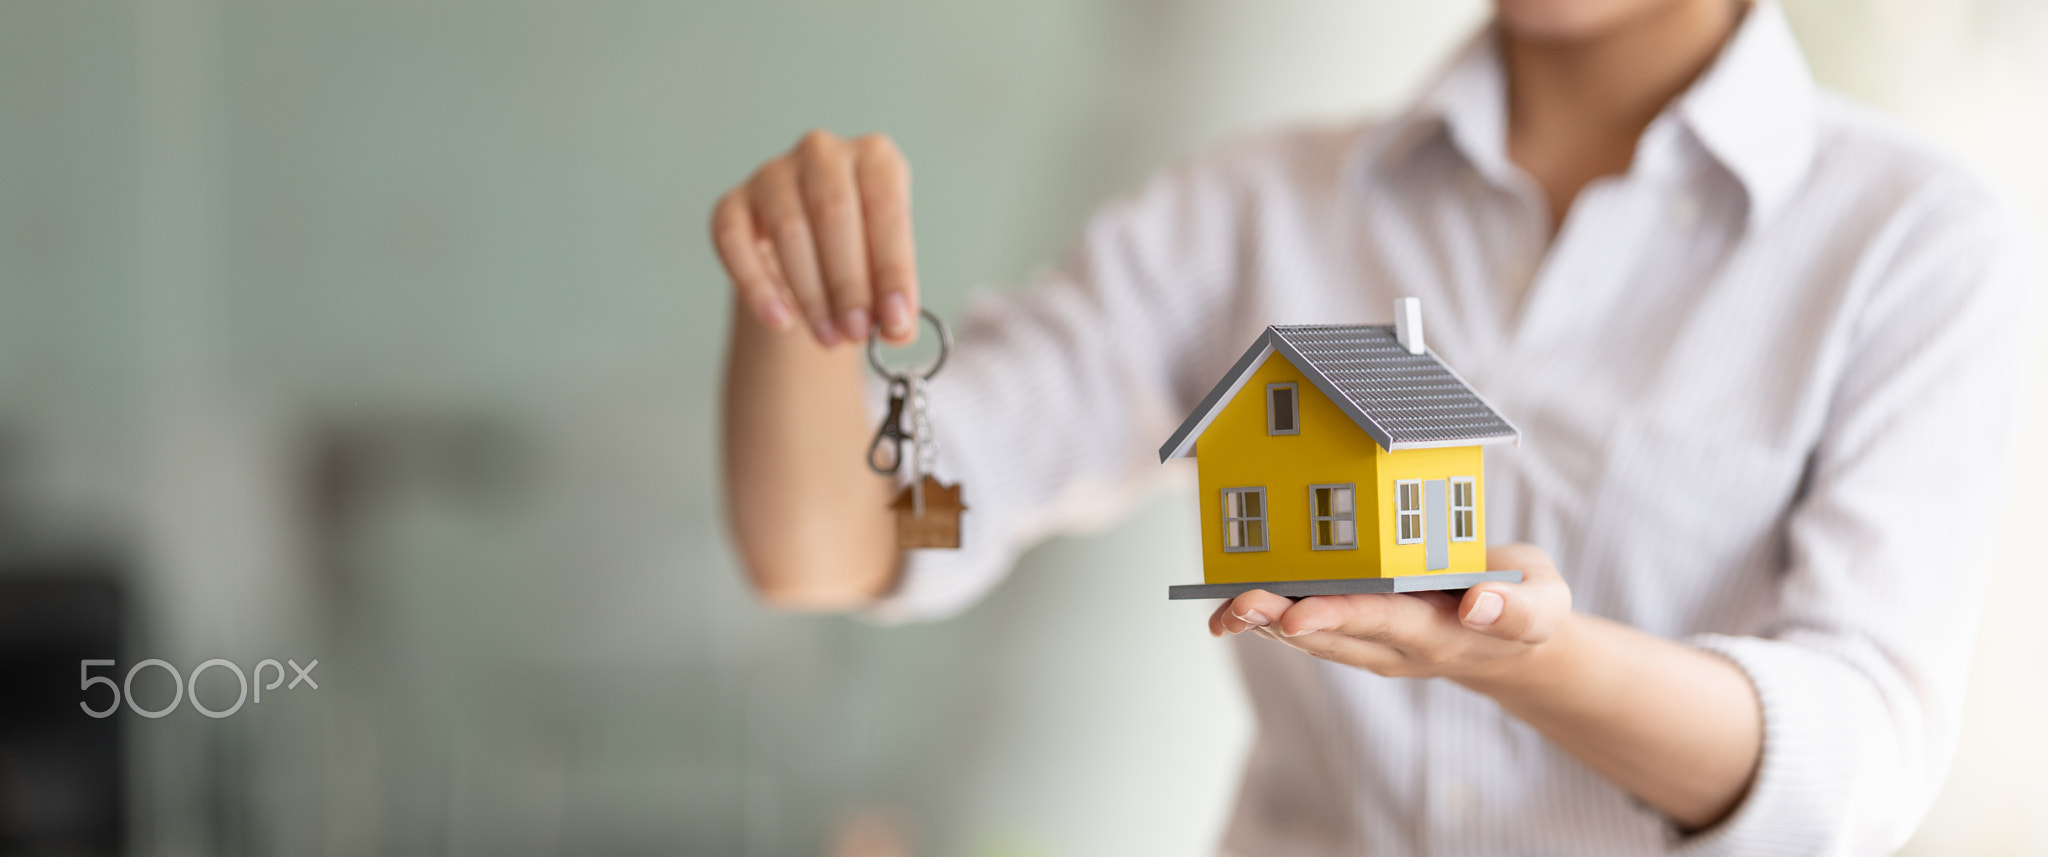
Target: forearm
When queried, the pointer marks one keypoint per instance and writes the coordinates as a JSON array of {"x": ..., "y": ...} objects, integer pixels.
[
  {"x": 1678, "y": 727},
  {"x": 808, "y": 516}
]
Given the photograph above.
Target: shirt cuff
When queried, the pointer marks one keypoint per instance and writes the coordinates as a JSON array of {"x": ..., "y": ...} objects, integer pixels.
[
  {"x": 1799, "y": 802},
  {"x": 932, "y": 585}
]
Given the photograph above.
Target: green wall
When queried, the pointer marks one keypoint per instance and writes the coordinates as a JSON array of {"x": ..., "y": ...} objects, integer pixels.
[{"x": 465, "y": 243}]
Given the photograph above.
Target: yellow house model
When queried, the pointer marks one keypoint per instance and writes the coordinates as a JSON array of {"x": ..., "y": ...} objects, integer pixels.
[{"x": 1340, "y": 459}]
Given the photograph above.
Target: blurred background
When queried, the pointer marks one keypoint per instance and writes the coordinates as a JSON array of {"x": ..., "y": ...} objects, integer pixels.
[{"x": 387, "y": 334}]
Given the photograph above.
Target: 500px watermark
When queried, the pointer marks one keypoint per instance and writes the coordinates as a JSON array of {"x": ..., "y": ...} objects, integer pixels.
[{"x": 179, "y": 683}]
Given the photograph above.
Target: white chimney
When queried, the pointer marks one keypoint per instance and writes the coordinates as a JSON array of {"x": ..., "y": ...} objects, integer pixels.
[{"x": 1408, "y": 323}]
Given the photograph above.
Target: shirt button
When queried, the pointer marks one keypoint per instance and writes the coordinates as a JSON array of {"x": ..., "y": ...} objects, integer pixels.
[
  {"x": 1685, "y": 211},
  {"x": 1518, "y": 276},
  {"x": 1459, "y": 800}
]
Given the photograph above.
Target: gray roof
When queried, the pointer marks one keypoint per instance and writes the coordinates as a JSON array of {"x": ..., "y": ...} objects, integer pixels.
[{"x": 1402, "y": 400}]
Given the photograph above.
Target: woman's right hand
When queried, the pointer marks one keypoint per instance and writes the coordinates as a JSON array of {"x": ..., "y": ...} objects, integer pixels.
[{"x": 822, "y": 233}]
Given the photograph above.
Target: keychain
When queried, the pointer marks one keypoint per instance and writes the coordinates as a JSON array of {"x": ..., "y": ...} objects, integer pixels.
[{"x": 927, "y": 510}]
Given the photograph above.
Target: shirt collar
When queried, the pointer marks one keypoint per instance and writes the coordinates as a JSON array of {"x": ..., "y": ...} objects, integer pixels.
[{"x": 1752, "y": 111}]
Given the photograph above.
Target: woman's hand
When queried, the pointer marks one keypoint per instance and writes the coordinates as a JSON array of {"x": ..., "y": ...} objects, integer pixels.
[
  {"x": 1678, "y": 727},
  {"x": 1484, "y": 635},
  {"x": 823, "y": 230},
  {"x": 817, "y": 238}
]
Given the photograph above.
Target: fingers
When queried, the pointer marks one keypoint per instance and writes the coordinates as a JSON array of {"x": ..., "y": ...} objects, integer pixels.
[
  {"x": 1374, "y": 617},
  {"x": 884, "y": 180},
  {"x": 1507, "y": 611},
  {"x": 758, "y": 283},
  {"x": 1416, "y": 634},
  {"x": 1529, "y": 611},
  {"x": 778, "y": 206},
  {"x": 1255, "y": 609},
  {"x": 825, "y": 177},
  {"x": 1482, "y": 608},
  {"x": 823, "y": 232},
  {"x": 1368, "y": 617},
  {"x": 1216, "y": 619},
  {"x": 1365, "y": 654}
]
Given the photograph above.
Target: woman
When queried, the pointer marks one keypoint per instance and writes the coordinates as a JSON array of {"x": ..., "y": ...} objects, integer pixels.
[{"x": 1757, "y": 343}]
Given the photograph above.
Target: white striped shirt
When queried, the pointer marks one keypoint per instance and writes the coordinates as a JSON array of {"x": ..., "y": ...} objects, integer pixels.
[{"x": 1768, "y": 387}]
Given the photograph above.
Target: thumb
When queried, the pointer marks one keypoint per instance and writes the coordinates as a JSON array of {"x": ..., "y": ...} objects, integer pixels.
[
  {"x": 1528, "y": 611},
  {"x": 1494, "y": 610}
]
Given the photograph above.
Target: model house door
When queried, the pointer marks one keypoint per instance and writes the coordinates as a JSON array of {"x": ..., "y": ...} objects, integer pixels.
[{"x": 1436, "y": 525}]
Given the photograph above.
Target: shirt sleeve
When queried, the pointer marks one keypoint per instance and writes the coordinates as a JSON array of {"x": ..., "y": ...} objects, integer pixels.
[
  {"x": 1861, "y": 679},
  {"x": 1050, "y": 413}
]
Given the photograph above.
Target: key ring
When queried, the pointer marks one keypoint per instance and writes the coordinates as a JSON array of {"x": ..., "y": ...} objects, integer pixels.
[{"x": 945, "y": 348}]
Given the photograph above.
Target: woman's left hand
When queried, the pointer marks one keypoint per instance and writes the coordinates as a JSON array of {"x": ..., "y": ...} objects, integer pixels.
[{"x": 1485, "y": 634}]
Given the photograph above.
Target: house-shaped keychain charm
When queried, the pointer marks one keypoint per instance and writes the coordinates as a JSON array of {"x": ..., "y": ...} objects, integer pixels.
[
  {"x": 1341, "y": 459},
  {"x": 928, "y": 514}
]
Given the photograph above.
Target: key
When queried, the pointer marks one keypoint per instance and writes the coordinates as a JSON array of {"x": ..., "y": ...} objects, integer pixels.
[{"x": 927, "y": 510}]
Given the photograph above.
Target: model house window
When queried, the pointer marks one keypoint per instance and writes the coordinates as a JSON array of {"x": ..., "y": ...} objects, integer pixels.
[
  {"x": 1283, "y": 409},
  {"x": 1407, "y": 511},
  {"x": 1244, "y": 519},
  {"x": 1464, "y": 510},
  {"x": 1332, "y": 517}
]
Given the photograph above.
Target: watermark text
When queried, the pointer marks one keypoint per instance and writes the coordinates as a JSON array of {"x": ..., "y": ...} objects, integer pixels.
[{"x": 249, "y": 692}]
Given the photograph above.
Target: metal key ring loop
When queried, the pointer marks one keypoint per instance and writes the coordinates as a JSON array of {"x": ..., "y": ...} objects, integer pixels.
[{"x": 945, "y": 348}]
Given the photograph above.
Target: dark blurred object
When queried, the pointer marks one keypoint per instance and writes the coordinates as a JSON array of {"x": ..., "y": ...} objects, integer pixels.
[
  {"x": 357, "y": 465},
  {"x": 61, "y": 782}
]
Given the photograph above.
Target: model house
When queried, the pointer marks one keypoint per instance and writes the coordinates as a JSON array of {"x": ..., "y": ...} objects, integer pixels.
[{"x": 1341, "y": 458}]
